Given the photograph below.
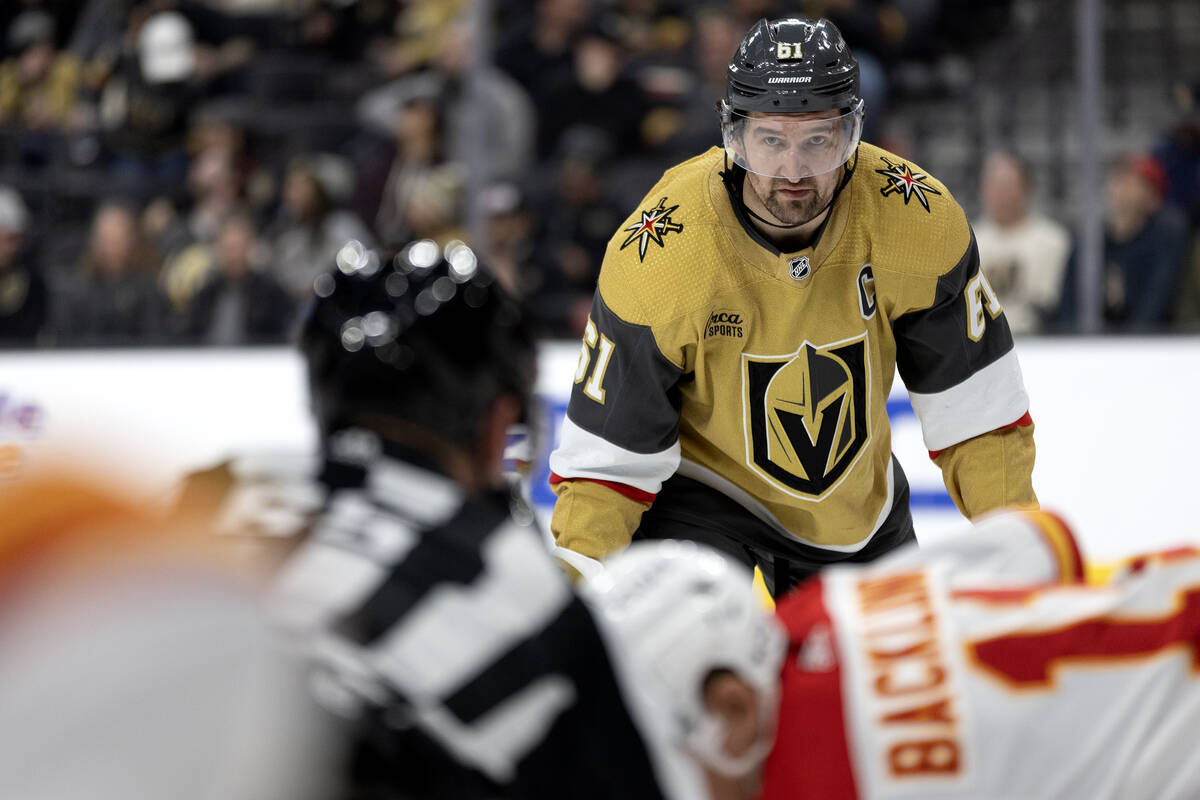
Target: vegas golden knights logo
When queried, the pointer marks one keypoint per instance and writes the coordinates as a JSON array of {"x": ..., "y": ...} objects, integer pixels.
[{"x": 806, "y": 414}]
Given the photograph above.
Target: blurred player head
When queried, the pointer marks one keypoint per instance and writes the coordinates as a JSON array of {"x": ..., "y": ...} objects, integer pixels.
[
  {"x": 698, "y": 631},
  {"x": 133, "y": 660},
  {"x": 424, "y": 348},
  {"x": 792, "y": 115}
]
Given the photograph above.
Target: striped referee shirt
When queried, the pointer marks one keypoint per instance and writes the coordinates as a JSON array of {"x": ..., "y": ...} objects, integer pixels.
[{"x": 442, "y": 631}]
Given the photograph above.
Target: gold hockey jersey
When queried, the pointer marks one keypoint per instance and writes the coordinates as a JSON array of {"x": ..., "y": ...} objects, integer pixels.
[{"x": 765, "y": 375}]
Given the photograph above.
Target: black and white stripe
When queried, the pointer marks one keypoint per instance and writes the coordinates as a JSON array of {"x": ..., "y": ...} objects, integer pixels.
[{"x": 442, "y": 624}]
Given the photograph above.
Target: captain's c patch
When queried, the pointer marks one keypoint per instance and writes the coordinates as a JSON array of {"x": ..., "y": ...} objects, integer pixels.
[{"x": 866, "y": 292}]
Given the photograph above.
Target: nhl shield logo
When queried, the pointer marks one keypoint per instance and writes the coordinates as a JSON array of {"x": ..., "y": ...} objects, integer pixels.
[
  {"x": 799, "y": 268},
  {"x": 806, "y": 414}
]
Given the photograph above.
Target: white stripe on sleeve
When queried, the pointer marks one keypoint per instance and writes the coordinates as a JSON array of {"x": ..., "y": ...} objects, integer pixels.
[
  {"x": 581, "y": 454},
  {"x": 991, "y": 398}
]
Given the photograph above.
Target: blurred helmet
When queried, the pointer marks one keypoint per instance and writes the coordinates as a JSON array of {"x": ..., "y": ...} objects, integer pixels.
[
  {"x": 792, "y": 66},
  {"x": 426, "y": 336},
  {"x": 685, "y": 611}
]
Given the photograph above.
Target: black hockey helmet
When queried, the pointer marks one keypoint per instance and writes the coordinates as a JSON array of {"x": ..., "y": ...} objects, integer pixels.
[
  {"x": 793, "y": 66},
  {"x": 426, "y": 335}
]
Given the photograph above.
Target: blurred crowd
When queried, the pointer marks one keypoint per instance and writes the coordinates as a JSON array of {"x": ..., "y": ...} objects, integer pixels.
[
  {"x": 1150, "y": 271},
  {"x": 178, "y": 171}
]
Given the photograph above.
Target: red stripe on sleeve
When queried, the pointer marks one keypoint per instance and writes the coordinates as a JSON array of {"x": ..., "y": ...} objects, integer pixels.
[
  {"x": 620, "y": 488},
  {"x": 1023, "y": 422}
]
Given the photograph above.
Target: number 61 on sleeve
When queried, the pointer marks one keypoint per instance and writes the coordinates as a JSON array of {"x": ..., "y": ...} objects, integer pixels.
[{"x": 602, "y": 346}]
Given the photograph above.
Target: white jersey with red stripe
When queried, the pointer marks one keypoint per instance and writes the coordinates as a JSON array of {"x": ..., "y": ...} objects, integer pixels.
[{"x": 986, "y": 667}]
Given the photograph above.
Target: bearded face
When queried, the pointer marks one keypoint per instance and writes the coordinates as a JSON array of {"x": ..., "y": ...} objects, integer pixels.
[
  {"x": 791, "y": 160},
  {"x": 794, "y": 202}
]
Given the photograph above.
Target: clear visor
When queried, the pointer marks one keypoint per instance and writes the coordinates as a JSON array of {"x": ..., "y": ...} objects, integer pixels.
[{"x": 782, "y": 146}]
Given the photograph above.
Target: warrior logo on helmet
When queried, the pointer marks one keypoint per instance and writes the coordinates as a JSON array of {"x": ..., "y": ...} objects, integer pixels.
[{"x": 806, "y": 415}]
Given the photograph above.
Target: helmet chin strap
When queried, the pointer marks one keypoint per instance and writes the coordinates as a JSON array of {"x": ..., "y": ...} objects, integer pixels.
[
  {"x": 736, "y": 187},
  {"x": 765, "y": 221}
]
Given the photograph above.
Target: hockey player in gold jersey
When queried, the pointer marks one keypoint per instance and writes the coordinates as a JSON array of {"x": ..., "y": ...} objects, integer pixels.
[{"x": 749, "y": 320}]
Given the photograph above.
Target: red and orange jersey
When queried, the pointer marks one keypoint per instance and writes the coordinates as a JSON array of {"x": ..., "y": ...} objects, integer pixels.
[{"x": 986, "y": 667}]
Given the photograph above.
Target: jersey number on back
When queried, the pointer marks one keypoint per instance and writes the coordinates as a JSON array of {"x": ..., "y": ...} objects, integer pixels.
[
  {"x": 594, "y": 388},
  {"x": 980, "y": 295}
]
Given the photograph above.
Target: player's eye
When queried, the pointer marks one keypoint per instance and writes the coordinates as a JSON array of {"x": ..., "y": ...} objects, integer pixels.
[
  {"x": 772, "y": 141},
  {"x": 819, "y": 140}
]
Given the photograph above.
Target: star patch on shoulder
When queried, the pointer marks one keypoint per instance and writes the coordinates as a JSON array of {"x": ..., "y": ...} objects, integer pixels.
[
  {"x": 656, "y": 223},
  {"x": 901, "y": 179}
]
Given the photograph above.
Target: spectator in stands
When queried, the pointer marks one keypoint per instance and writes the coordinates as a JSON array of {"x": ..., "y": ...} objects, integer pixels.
[
  {"x": 311, "y": 226},
  {"x": 215, "y": 176},
  {"x": 598, "y": 93},
  {"x": 714, "y": 42},
  {"x": 1022, "y": 253},
  {"x": 214, "y": 189},
  {"x": 434, "y": 209},
  {"x": 332, "y": 28},
  {"x": 1145, "y": 243},
  {"x": 420, "y": 150},
  {"x": 1179, "y": 153},
  {"x": 23, "y": 299},
  {"x": 116, "y": 299},
  {"x": 418, "y": 27},
  {"x": 485, "y": 111},
  {"x": 577, "y": 221},
  {"x": 511, "y": 238},
  {"x": 145, "y": 105},
  {"x": 241, "y": 303},
  {"x": 541, "y": 46},
  {"x": 653, "y": 31},
  {"x": 39, "y": 85}
]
